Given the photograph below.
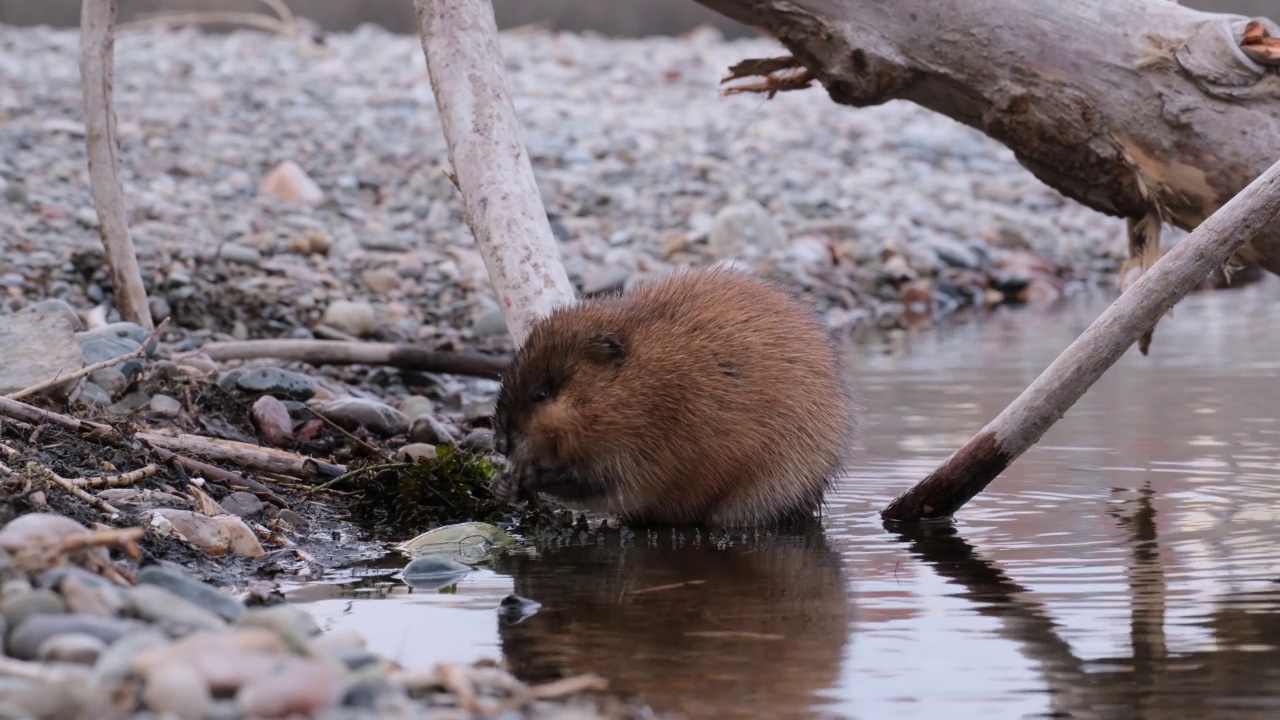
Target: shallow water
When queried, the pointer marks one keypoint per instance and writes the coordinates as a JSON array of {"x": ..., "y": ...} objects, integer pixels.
[{"x": 1124, "y": 567}]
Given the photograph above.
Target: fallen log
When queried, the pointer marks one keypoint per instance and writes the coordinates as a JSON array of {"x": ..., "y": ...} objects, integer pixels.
[
  {"x": 1140, "y": 109},
  {"x": 491, "y": 168},
  {"x": 971, "y": 468}
]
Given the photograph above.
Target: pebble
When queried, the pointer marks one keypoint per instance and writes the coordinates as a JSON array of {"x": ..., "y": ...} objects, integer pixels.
[
  {"x": 291, "y": 623},
  {"x": 183, "y": 585},
  {"x": 243, "y": 504},
  {"x": 271, "y": 418},
  {"x": 17, "y": 607},
  {"x": 216, "y": 535},
  {"x": 488, "y": 322},
  {"x": 292, "y": 687},
  {"x": 288, "y": 181},
  {"x": 378, "y": 417},
  {"x": 416, "y": 406},
  {"x": 90, "y": 594},
  {"x": 242, "y": 254},
  {"x": 479, "y": 439},
  {"x": 380, "y": 281},
  {"x": 177, "y": 691},
  {"x": 352, "y": 318},
  {"x": 427, "y": 429},
  {"x": 165, "y": 406},
  {"x": 416, "y": 451},
  {"x": 25, "y": 640},
  {"x": 110, "y": 379},
  {"x": 280, "y": 383},
  {"x": 36, "y": 344},
  {"x": 79, "y": 648},
  {"x": 744, "y": 229},
  {"x": 94, "y": 395},
  {"x": 173, "y": 614}
]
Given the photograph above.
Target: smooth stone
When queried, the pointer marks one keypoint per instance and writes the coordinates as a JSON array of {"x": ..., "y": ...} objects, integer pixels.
[
  {"x": 271, "y": 418},
  {"x": 129, "y": 403},
  {"x": 488, "y": 322},
  {"x": 480, "y": 439},
  {"x": 293, "y": 624},
  {"x": 379, "y": 418},
  {"x": 742, "y": 226},
  {"x": 353, "y": 318},
  {"x": 415, "y": 452},
  {"x": 165, "y": 406},
  {"x": 206, "y": 596},
  {"x": 78, "y": 648},
  {"x": 240, "y": 254},
  {"x": 460, "y": 541},
  {"x": 242, "y": 504},
  {"x": 110, "y": 379},
  {"x": 953, "y": 253},
  {"x": 216, "y": 535},
  {"x": 90, "y": 597},
  {"x": 38, "y": 529},
  {"x": 201, "y": 363},
  {"x": 380, "y": 281},
  {"x": 116, "y": 663},
  {"x": 289, "y": 182},
  {"x": 175, "y": 614},
  {"x": 280, "y": 383},
  {"x": 602, "y": 280},
  {"x": 294, "y": 687},
  {"x": 17, "y": 607},
  {"x": 177, "y": 691},
  {"x": 415, "y": 406},
  {"x": 427, "y": 429},
  {"x": 57, "y": 306},
  {"x": 226, "y": 659},
  {"x": 93, "y": 395},
  {"x": 25, "y": 640},
  {"x": 37, "y": 343}
]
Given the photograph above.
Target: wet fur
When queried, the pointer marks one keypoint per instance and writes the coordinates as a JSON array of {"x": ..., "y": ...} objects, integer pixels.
[{"x": 708, "y": 396}]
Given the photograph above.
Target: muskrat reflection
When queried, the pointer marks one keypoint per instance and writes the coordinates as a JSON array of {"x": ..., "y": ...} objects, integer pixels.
[{"x": 697, "y": 624}]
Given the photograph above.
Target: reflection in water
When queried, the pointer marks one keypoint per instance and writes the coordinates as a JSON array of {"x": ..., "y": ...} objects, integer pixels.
[
  {"x": 1124, "y": 567},
  {"x": 701, "y": 625}
]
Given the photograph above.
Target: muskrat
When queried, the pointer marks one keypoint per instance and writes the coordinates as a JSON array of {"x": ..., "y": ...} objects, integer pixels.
[{"x": 708, "y": 396}]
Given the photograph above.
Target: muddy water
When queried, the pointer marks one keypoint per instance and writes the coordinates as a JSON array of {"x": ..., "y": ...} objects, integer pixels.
[{"x": 1125, "y": 567}]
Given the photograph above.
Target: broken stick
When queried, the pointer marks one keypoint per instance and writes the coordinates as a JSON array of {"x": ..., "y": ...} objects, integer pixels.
[
  {"x": 337, "y": 352},
  {"x": 490, "y": 165},
  {"x": 971, "y": 468},
  {"x": 97, "y": 68}
]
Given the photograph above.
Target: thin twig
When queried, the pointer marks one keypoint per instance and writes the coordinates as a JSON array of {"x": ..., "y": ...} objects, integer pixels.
[
  {"x": 52, "y": 382},
  {"x": 359, "y": 471},
  {"x": 120, "y": 480},
  {"x": 66, "y": 484},
  {"x": 373, "y": 450}
]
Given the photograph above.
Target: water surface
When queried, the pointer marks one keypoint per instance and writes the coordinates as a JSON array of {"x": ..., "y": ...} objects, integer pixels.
[{"x": 1125, "y": 567}]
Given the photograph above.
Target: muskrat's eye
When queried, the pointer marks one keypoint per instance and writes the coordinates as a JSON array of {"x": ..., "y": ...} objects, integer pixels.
[{"x": 541, "y": 394}]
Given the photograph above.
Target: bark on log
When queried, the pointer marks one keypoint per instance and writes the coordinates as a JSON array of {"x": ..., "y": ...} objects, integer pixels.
[
  {"x": 971, "y": 468},
  {"x": 1141, "y": 109},
  {"x": 490, "y": 165},
  {"x": 97, "y": 68}
]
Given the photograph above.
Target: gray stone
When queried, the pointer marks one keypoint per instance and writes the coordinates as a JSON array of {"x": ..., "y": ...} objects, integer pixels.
[
  {"x": 36, "y": 343},
  {"x": 240, "y": 254},
  {"x": 77, "y": 648},
  {"x": 57, "y": 306},
  {"x": 185, "y": 586},
  {"x": 415, "y": 406},
  {"x": 426, "y": 429},
  {"x": 174, "y": 614},
  {"x": 17, "y": 607},
  {"x": 129, "y": 403},
  {"x": 94, "y": 396},
  {"x": 743, "y": 226},
  {"x": 110, "y": 379},
  {"x": 280, "y": 383},
  {"x": 83, "y": 591},
  {"x": 608, "y": 279},
  {"x": 114, "y": 665},
  {"x": 293, "y": 624},
  {"x": 953, "y": 253},
  {"x": 165, "y": 406},
  {"x": 25, "y": 640},
  {"x": 243, "y": 504},
  {"x": 480, "y": 439},
  {"x": 488, "y": 322},
  {"x": 379, "y": 418}
]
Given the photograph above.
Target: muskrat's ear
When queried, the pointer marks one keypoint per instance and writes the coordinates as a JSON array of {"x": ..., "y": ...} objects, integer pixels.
[{"x": 607, "y": 348}]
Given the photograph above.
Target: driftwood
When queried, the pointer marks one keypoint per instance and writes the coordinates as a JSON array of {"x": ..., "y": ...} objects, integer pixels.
[
  {"x": 490, "y": 165},
  {"x": 1141, "y": 109},
  {"x": 97, "y": 68},
  {"x": 337, "y": 352},
  {"x": 1045, "y": 401}
]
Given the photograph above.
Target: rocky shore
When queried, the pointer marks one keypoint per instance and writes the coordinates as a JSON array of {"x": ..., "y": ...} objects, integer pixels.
[{"x": 294, "y": 189}]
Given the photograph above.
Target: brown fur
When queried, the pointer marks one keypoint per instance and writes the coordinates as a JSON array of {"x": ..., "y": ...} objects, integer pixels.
[{"x": 708, "y": 396}]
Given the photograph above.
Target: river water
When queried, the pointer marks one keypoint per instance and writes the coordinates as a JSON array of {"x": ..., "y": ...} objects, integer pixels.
[{"x": 1125, "y": 567}]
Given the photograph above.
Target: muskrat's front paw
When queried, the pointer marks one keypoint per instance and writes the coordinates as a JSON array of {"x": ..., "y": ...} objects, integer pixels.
[{"x": 505, "y": 488}]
